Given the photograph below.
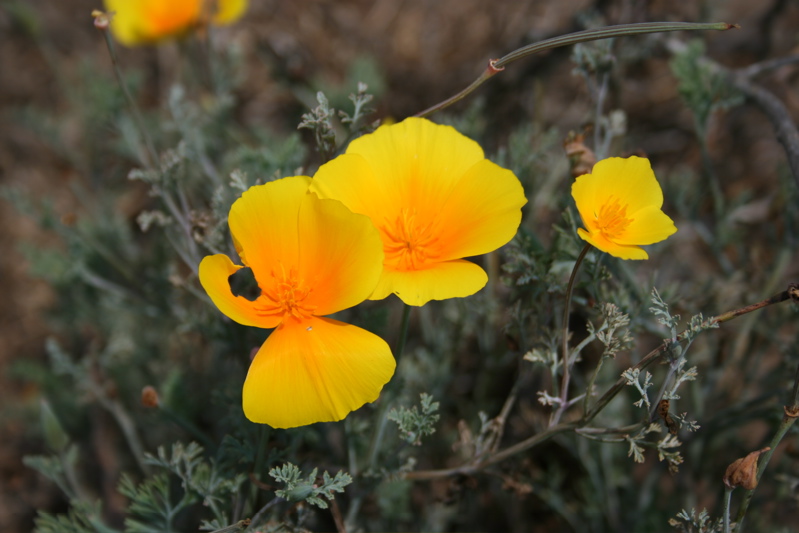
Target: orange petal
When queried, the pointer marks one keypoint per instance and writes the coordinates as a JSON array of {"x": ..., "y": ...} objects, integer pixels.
[
  {"x": 341, "y": 254},
  {"x": 263, "y": 223},
  {"x": 147, "y": 21},
  {"x": 214, "y": 273},
  {"x": 481, "y": 213},
  {"x": 450, "y": 279},
  {"x": 316, "y": 371}
]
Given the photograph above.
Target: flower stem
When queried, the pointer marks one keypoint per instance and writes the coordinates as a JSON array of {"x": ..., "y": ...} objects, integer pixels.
[
  {"x": 406, "y": 320},
  {"x": 151, "y": 159},
  {"x": 498, "y": 65},
  {"x": 590, "y": 387},
  {"x": 725, "y": 513},
  {"x": 564, "y": 384},
  {"x": 788, "y": 420}
]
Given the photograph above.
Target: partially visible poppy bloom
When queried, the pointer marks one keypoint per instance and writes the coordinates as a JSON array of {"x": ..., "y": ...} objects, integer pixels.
[
  {"x": 137, "y": 22},
  {"x": 435, "y": 199},
  {"x": 619, "y": 203},
  {"x": 310, "y": 258}
]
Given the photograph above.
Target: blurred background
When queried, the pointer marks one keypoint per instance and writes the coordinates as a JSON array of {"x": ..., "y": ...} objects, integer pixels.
[{"x": 412, "y": 54}]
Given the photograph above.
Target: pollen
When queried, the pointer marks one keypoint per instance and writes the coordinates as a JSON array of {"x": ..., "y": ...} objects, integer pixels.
[
  {"x": 611, "y": 221},
  {"x": 287, "y": 296},
  {"x": 408, "y": 243}
]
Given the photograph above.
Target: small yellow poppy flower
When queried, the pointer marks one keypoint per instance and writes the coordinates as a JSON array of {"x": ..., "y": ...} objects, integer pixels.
[
  {"x": 435, "y": 200},
  {"x": 137, "y": 22},
  {"x": 310, "y": 257},
  {"x": 619, "y": 203}
]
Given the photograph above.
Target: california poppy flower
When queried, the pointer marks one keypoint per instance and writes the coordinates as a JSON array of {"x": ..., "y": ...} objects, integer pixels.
[
  {"x": 137, "y": 22},
  {"x": 620, "y": 205},
  {"x": 310, "y": 257},
  {"x": 435, "y": 200}
]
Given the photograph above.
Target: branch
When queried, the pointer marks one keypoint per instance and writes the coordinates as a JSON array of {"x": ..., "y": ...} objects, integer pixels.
[{"x": 478, "y": 464}]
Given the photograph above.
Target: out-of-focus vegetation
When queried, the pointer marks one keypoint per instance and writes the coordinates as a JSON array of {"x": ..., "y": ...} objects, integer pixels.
[{"x": 124, "y": 381}]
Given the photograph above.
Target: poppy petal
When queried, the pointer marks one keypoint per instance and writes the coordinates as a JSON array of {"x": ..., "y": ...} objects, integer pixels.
[
  {"x": 263, "y": 223},
  {"x": 315, "y": 371},
  {"x": 629, "y": 180},
  {"x": 215, "y": 270},
  {"x": 482, "y": 212},
  {"x": 648, "y": 226},
  {"x": 341, "y": 254},
  {"x": 614, "y": 249},
  {"x": 450, "y": 279}
]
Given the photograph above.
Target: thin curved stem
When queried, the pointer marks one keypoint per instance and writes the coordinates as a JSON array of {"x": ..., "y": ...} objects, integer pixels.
[
  {"x": 564, "y": 384},
  {"x": 498, "y": 65},
  {"x": 151, "y": 159}
]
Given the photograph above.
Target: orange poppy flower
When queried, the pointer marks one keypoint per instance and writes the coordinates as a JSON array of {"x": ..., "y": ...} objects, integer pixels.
[
  {"x": 435, "y": 199},
  {"x": 310, "y": 257},
  {"x": 137, "y": 22}
]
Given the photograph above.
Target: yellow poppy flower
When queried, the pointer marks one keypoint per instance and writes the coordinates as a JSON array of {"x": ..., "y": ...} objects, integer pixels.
[
  {"x": 148, "y": 21},
  {"x": 434, "y": 198},
  {"x": 310, "y": 257},
  {"x": 619, "y": 203}
]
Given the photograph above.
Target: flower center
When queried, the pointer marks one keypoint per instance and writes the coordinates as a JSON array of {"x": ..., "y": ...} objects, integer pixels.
[
  {"x": 612, "y": 219},
  {"x": 408, "y": 243},
  {"x": 287, "y": 296}
]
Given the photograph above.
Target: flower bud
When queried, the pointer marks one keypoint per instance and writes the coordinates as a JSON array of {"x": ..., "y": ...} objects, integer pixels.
[
  {"x": 743, "y": 472},
  {"x": 149, "y": 397}
]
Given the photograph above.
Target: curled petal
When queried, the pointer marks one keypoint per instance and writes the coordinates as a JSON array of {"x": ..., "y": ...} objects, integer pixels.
[
  {"x": 315, "y": 371},
  {"x": 215, "y": 271}
]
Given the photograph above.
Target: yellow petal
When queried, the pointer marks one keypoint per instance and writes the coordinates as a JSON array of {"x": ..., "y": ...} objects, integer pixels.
[
  {"x": 340, "y": 255},
  {"x": 629, "y": 180},
  {"x": 414, "y": 163},
  {"x": 351, "y": 180},
  {"x": 263, "y": 223},
  {"x": 229, "y": 11},
  {"x": 648, "y": 226},
  {"x": 214, "y": 273},
  {"x": 418, "y": 160},
  {"x": 612, "y": 248},
  {"x": 482, "y": 211},
  {"x": 318, "y": 371},
  {"x": 450, "y": 279}
]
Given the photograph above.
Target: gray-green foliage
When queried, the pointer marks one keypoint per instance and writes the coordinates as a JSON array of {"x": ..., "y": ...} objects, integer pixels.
[
  {"x": 703, "y": 87},
  {"x": 309, "y": 489},
  {"x": 415, "y": 423}
]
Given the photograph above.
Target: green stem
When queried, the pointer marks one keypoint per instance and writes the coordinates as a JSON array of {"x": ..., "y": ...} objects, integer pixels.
[
  {"x": 152, "y": 155},
  {"x": 788, "y": 420},
  {"x": 725, "y": 512},
  {"x": 406, "y": 320},
  {"x": 564, "y": 385},
  {"x": 590, "y": 387},
  {"x": 498, "y": 65},
  {"x": 263, "y": 440},
  {"x": 380, "y": 428}
]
